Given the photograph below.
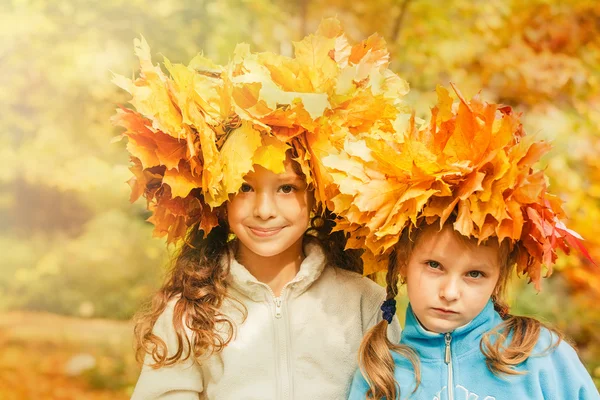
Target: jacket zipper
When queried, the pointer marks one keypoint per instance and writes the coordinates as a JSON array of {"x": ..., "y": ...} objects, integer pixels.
[
  {"x": 282, "y": 345},
  {"x": 448, "y": 361},
  {"x": 278, "y": 304}
]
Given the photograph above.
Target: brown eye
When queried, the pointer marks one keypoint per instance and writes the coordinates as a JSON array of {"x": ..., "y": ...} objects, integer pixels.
[
  {"x": 287, "y": 189},
  {"x": 245, "y": 188}
]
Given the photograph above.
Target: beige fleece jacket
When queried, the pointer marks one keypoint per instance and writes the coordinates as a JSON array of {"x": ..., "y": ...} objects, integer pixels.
[{"x": 302, "y": 345}]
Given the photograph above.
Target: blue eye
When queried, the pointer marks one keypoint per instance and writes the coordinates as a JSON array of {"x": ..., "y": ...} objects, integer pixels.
[
  {"x": 287, "y": 188},
  {"x": 475, "y": 274},
  {"x": 245, "y": 188},
  {"x": 434, "y": 264}
]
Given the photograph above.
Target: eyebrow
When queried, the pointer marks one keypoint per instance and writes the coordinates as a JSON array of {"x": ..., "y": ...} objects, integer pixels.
[
  {"x": 442, "y": 259},
  {"x": 290, "y": 177},
  {"x": 481, "y": 267}
]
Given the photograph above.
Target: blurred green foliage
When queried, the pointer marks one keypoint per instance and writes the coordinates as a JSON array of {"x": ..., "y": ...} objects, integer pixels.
[{"x": 70, "y": 241}]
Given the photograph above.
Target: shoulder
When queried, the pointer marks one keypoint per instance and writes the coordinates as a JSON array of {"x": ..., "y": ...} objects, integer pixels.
[
  {"x": 557, "y": 361},
  {"x": 550, "y": 344},
  {"x": 166, "y": 317},
  {"x": 351, "y": 285},
  {"x": 404, "y": 377},
  {"x": 164, "y": 326},
  {"x": 359, "y": 387},
  {"x": 356, "y": 281},
  {"x": 402, "y": 366},
  {"x": 404, "y": 374}
]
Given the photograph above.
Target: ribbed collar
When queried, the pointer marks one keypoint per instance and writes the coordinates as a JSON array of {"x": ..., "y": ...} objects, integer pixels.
[
  {"x": 465, "y": 339},
  {"x": 311, "y": 268}
]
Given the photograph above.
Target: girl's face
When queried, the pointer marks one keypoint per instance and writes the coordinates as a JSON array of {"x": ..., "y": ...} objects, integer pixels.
[
  {"x": 449, "y": 281},
  {"x": 271, "y": 212}
]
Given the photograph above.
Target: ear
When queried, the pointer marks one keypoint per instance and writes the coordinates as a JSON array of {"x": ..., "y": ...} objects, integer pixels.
[{"x": 402, "y": 271}]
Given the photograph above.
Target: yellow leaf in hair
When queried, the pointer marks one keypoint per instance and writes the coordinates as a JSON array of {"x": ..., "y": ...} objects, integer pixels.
[
  {"x": 182, "y": 87},
  {"x": 181, "y": 181},
  {"x": 208, "y": 220},
  {"x": 266, "y": 95},
  {"x": 459, "y": 144},
  {"x": 237, "y": 154},
  {"x": 303, "y": 159},
  {"x": 349, "y": 171},
  {"x": 444, "y": 104},
  {"x": 144, "y": 149},
  {"x": 272, "y": 154},
  {"x": 372, "y": 264},
  {"x": 150, "y": 94},
  {"x": 246, "y": 97},
  {"x": 534, "y": 153},
  {"x": 470, "y": 185},
  {"x": 285, "y": 72},
  {"x": 530, "y": 189},
  {"x": 319, "y": 147},
  {"x": 313, "y": 53},
  {"x": 372, "y": 52},
  {"x": 396, "y": 220},
  {"x": 342, "y": 201},
  {"x": 293, "y": 118},
  {"x": 212, "y": 168},
  {"x": 142, "y": 179},
  {"x": 171, "y": 215},
  {"x": 464, "y": 223},
  {"x": 376, "y": 193},
  {"x": 137, "y": 185},
  {"x": 390, "y": 160},
  {"x": 363, "y": 111}
]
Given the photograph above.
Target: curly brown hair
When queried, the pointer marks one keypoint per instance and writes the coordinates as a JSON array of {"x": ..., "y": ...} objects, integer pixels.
[{"x": 198, "y": 280}]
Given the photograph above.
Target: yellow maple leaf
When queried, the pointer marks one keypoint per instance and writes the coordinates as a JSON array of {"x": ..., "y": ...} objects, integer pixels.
[
  {"x": 181, "y": 181},
  {"x": 314, "y": 55},
  {"x": 272, "y": 154},
  {"x": 237, "y": 154},
  {"x": 150, "y": 94}
]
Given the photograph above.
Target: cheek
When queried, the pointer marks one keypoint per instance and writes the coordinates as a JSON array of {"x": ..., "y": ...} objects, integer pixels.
[
  {"x": 235, "y": 210},
  {"x": 417, "y": 284},
  {"x": 296, "y": 207},
  {"x": 414, "y": 276}
]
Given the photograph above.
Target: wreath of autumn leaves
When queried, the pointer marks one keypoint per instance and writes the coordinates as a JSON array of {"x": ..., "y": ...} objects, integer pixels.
[
  {"x": 472, "y": 159},
  {"x": 194, "y": 134}
]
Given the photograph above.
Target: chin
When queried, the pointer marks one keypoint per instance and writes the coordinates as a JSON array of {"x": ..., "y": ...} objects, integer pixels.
[
  {"x": 442, "y": 328},
  {"x": 267, "y": 250}
]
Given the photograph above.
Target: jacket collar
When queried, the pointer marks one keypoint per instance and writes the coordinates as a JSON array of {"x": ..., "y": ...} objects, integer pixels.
[
  {"x": 311, "y": 268},
  {"x": 465, "y": 339}
]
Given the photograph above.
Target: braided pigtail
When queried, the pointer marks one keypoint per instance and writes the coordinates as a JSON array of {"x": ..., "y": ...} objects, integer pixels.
[{"x": 375, "y": 360}]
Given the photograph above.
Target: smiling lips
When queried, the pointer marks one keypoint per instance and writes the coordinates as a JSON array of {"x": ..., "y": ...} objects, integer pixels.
[{"x": 262, "y": 232}]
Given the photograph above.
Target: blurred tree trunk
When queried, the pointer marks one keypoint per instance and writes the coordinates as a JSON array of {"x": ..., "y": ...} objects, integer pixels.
[
  {"x": 303, "y": 7},
  {"x": 398, "y": 22}
]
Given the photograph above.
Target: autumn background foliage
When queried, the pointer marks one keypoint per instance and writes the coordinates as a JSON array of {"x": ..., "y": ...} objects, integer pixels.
[{"x": 78, "y": 259}]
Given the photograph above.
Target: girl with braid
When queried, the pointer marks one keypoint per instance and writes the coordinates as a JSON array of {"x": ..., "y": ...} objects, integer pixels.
[
  {"x": 262, "y": 301},
  {"x": 473, "y": 209}
]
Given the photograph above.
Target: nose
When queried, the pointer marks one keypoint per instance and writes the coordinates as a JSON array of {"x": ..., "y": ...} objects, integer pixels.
[
  {"x": 450, "y": 289},
  {"x": 264, "y": 207}
]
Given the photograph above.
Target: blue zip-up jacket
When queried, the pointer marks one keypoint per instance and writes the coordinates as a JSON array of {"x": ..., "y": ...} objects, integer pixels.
[{"x": 453, "y": 367}]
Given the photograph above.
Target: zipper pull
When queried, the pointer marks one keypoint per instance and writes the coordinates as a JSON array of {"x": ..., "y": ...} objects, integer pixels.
[
  {"x": 448, "y": 339},
  {"x": 278, "y": 307}
]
